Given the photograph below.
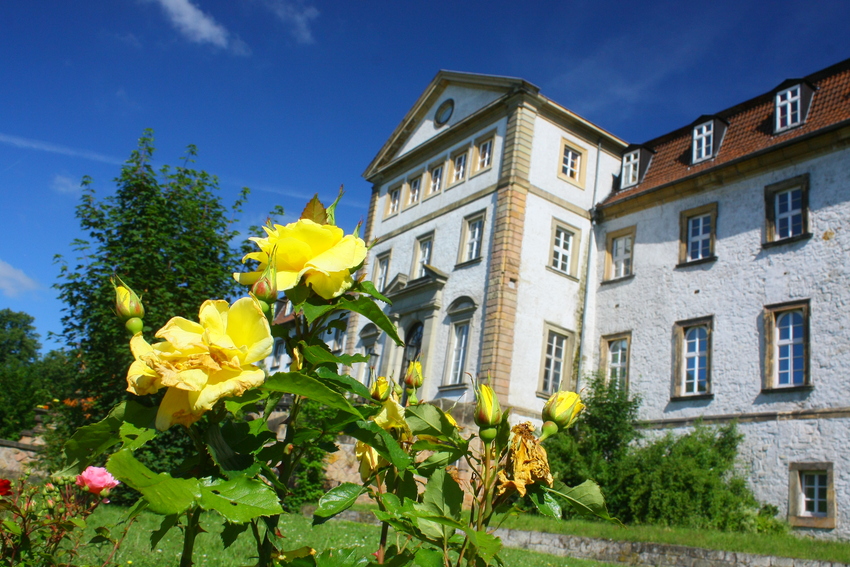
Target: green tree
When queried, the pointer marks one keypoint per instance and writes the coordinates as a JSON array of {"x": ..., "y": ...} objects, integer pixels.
[
  {"x": 26, "y": 380},
  {"x": 167, "y": 234}
]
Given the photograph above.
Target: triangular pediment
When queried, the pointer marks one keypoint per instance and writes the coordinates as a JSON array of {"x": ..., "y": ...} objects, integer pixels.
[{"x": 469, "y": 93}]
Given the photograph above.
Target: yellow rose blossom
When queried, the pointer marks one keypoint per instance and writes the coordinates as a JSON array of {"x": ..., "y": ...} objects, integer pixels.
[
  {"x": 563, "y": 409},
  {"x": 380, "y": 389},
  {"x": 320, "y": 255},
  {"x": 369, "y": 459},
  {"x": 391, "y": 418},
  {"x": 200, "y": 363},
  {"x": 488, "y": 412}
]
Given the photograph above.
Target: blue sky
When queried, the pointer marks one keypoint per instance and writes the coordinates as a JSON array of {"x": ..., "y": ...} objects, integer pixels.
[{"x": 293, "y": 97}]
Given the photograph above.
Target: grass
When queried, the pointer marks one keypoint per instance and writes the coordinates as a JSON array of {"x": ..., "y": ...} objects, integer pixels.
[
  {"x": 209, "y": 551},
  {"x": 782, "y": 545}
]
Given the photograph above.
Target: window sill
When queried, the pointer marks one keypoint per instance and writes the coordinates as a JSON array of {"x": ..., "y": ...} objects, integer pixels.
[
  {"x": 778, "y": 132},
  {"x": 455, "y": 184},
  {"x": 410, "y": 206},
  {"x": 480, "y": 171},
  {"x": 452, "y": 387},
  {"x": 577, "y": 183},
  {"x": 688, "y": 263},
  {"x": 690, "y": 397},
  {"x": 562, "y": 274},
  {"x": 789, "y": 240},
  {"x": 781, "y": 389},
  {"x": 822, "y": 522},
  {"x": 618, "y": 280},
  {"x": 391, "y": 215},
  {"x": 431, "y": 195},
  {"x": 468, "y": 263},
  {"x": 544, "y": 395}
]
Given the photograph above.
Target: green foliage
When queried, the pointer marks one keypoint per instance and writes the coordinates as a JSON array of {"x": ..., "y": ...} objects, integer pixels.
[
  {"x": 596, "y": 446},
  {"x": 165, "y": 233},
  {"x": 26, "y": 380},
  {"x": 307, "y": 484},
  {"x": 690, "y": 480}
]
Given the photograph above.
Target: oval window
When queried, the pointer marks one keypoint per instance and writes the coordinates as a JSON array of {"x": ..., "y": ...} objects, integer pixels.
[{"x": 444, "y": 112}]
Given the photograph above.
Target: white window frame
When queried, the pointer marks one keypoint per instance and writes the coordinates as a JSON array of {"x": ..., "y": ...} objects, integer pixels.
[
  {"x": 562, "y": 249},
  {"x": 700, "y": 229},
  {"x": 692, "y": 359},
  {"x": 459, "y": 167},
  {"x": 382, "y": 271},
  {"x": 703, "y": 142},
  {"x": 785, "y": 350},
  {"x": 616, "y": 350},
  {"x": 435, "y": 179},
  {"x": 472, "y": 238},
  {"x": 484, "y": 154},
  {"x": 571, "y": 163},
  {"x": 393, "y": 201},
  {"x": 800, "y": 476},
  {"x": 556, "y": 365},
  {"x": 790, "y": 343},
  {"x": 414, "y": 190},
  {"x": 630, "y": 173},
  {"x": 789, "y": 108},
  {"x": 789, "y": 218},
  {"x": 459, "y": 352},
  {"x": 424, "y": 253}
]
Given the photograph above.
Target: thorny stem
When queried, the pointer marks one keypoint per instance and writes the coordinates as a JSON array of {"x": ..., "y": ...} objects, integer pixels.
[{"x": 189, "y": 537}]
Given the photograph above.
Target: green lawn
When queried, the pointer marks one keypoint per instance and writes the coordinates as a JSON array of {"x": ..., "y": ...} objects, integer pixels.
[
  {"x": 784, "y": 545},
  {"x": 136, "y": 552}
]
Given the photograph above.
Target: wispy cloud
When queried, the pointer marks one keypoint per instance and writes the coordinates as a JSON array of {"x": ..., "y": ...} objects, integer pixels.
[
  {"x": 29, "y": 144},
  {"x": 13, "y": 281},
  {"x": 65, "y": 184},
  {"x": 129, "y": 39},
  {"x": 199, "y": 27},
  {"x": 297, "y": 16}
]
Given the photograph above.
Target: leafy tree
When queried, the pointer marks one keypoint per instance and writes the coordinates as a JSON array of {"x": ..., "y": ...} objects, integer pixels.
[
  {"x": 18, "y": 339},
  {"x": 26, "y": 380},
  {"x": 168, "y": 236}
]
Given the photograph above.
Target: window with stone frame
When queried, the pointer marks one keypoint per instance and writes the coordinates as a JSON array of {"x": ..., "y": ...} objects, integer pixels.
[
  {"x": 483, "y": 153},
  {"x": 458, "y": 167},
  {"x": 414, "y": 190},
  {"x": 393, "y": 201},
  {"x": 556, "y": 367},
  {"x": 572, "y": 163},
  {"x": 619, "y": 253},
  {"x": 786, "y": 335},
  {"x": 811, "y": 495},
  {"x": 630, "y": 173},
  {"x": 382, "y": 271},
  {"x": 787, "y": 210},
  {"x": 615, "y": 358},
  {"x": 693, "y": 357},
  {"x": 697, "y": 234},
  {"x": 424, "y": 249},
  {"x": 460, "y": 313},
  {"x": 435, "y": 179},
  {"x": 472, "y": 238}
]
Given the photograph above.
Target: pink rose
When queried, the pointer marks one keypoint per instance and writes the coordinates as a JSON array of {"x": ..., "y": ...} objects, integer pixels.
[{"x": 96, "y": 480}]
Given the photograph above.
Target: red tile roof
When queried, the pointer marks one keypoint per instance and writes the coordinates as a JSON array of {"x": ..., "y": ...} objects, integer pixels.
[{"x": 751, "y": 126}]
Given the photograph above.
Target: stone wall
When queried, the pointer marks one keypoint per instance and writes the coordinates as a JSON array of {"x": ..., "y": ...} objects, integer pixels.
[{"x": 16, "y": 456}]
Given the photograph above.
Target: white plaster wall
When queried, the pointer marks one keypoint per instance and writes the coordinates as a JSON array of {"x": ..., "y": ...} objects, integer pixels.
[
  {"x": 543, "y": 296},
  {"x": 474, "y": 182},
  {"x": 467, "y": 101},
  {"x": 546, "y": 158},
  {"x": 734, "y": 289}
]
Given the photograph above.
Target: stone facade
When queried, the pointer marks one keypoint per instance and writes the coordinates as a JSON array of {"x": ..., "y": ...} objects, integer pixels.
[{"x": 581, "y": 253}]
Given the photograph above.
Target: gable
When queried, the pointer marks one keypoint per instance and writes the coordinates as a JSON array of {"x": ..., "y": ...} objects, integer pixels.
[
  {"x": 467, "y": 101},
  {"x": 471, "y": 94}
]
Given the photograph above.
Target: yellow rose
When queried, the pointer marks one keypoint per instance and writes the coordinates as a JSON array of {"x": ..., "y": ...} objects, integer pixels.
[
  {"x": 414, "y": 379},
  {"x": 127, "y": 303},
  {"x": 369, "y": 460},
  {"x": 200, "y": 363},
  {"x": 563, "y": 408},
  {"x": 488, "y": 412},
  {"x": 380, "y": 389},
  {"x": 320, "y": 255}
]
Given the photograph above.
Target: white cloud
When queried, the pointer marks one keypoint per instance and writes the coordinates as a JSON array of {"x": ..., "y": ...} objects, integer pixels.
[
  {"x": 29, "y": 144},
  {"x": 199, "y": 27},
  {"x": 297, "y": 16},
  {"x": 65, "y": 184},
  {"x": 13, "y": 281}
]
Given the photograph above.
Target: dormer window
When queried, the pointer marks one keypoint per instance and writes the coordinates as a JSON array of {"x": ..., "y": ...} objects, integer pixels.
[
  {"x": 788, "y": 108},
  {"x": 708, "y": 132},
  {"x": 630, "y": 173},
  {"x": 703, "y": 141},
  {"x": 793, "y": 99}
]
